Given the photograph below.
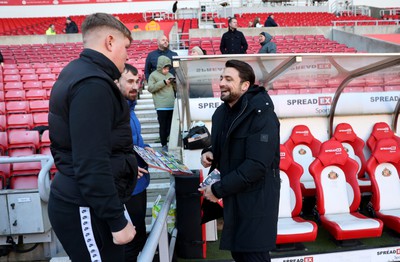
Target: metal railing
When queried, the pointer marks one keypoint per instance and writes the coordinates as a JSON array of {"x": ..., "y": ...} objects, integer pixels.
[
  {"x": 43, "y": 176},
  {"x": 159, "y": 235}
]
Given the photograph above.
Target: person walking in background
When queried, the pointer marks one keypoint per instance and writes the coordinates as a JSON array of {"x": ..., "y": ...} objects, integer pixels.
[
  {"x": 91, "y": 143},
  {"x": 267, "y": 46},
  {"x": 129, "y": 86},
  {"x": 51, "y": 30},
  {"x": 161, "y": 85},
  {"x": 233, "y": 41},
  {"x": 270, "y": 22},
  {"x": 153, "y": 25},
  {"x": 242, "y": 127},
  {"x": 152, "y": 57},
  {"x": 70, "y": 26}
]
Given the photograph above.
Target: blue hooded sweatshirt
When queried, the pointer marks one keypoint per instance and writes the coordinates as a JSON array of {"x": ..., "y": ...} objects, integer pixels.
[{"x": 144, "y": 181}]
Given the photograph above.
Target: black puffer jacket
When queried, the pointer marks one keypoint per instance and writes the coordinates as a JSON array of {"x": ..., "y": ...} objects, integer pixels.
[
  {"x": 249, "y": 165},
  {"x": 91, "y": 139},
  {"x": 233, "y": 42}
]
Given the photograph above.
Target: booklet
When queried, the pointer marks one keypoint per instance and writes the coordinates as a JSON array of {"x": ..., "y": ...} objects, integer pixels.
[
  {"x": 162, "y": 161},
  {"x": 211, "y": 178}
]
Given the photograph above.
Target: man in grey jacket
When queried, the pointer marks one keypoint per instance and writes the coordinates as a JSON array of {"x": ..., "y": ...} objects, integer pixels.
[{"x": 267, "y": 46}]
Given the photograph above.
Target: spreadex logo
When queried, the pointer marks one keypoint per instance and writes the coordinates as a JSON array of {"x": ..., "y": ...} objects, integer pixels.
[
  {"x": 389, "y": 252},
  {"x": 384, "y": 129},
  {"x": 283, "y": 154},
  {"x": 321, "y": 100},
  {"x": 392, "y": 148},
  {"x": 347, "y": 131},
  {"x": 337, "y": 151},
  {"x": 305, "y": 132},
  {"x": 305, "y": 259}
]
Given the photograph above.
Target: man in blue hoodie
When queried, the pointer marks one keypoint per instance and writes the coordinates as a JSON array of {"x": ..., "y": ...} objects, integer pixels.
[
  {"x": 129, "y": 86},
  {"x": 267, "y": 46}
]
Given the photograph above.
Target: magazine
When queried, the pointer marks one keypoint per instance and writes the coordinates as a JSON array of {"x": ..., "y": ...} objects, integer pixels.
[
  {"x": 211, "y": 178},
  {"x": 162, "y": 161}
]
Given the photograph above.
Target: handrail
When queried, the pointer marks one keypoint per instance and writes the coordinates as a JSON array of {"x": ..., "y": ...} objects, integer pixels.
[
  {"x": 43, "y": 176},
  {"x": 158, "y": 234}
]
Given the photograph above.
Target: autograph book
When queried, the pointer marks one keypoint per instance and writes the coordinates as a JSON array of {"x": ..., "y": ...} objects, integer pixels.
[{"x": 162, "y": 161}]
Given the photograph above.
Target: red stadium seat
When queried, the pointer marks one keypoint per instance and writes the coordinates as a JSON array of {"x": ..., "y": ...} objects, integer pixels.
[
  {"x": 33, "y": 84},
  {"x": 17, "y": 107},
  {"x": 338, "y": 195},
  {"x": 3, "y": 123},
  {"x": 24, "y": 139},
  {"x": 13, "y": 86},
  {"x": 291, "y": 227},
  {"x": 304, "y": 147},
  {"x": 379, "y": 131},
  {"x": 35, "y": 94},
  {"x": 383, "y": 168},
  {"x": 39, "y": 106},
  {"x": 40, "y": 119},
  {"x": 354, "y": 147},
  {"x": 3, "y": 142},
  {"x": 15, "y": 121}
]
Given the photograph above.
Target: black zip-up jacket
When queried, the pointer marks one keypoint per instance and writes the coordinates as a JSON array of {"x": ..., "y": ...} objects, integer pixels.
[
  {"x": 233, "y": 42},
  {"x": 248, "y": 159},
  {"x": 91, "y": 139}
]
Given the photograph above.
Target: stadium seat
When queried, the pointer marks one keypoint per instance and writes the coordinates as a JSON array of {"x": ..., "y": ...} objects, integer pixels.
[
  {"x": 3, "y": 142},
  {"x": 383, "y": 168},
  {"x": 338, "y": 195},
  {"x": 32, "y": 77},
  {"x": 36, "y": 94},
  {"x": 354, "y": 147},
  {"x": 39, "y": 106},
  {"x": 46, "y": 77},
  {"x": 33, "y": 84},
  {"x": 3, "y": 123},
  {"x": 19, "y": 121},
  {"x": 23, "y": 139},
  {"x": 291, "y": 227},
  {"x": 17, "y": 107},
  {"x": 2, "y": 108},
  {"x": 48, "y": 84},
  {"x": 13, "y": 86},
  {"x": 27, "y": 71},
  {"x": 23, "y": 182},
  {"x": 40, "y": 119},
  {"x": 379, "y": 131},
  {"x": 14, "y": 95},
  {"x": 304, "y": 147}
]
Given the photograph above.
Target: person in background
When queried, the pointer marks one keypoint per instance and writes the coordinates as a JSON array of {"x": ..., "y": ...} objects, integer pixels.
[
  {"x": 51, "y": 30},
  {"x": 270, "y": 22},
  {"x": 267, "y": 46},
  {"x": 129, "y": 86},
  {"x": 175, "y": 8},
  {"x": 152, "y": 57},
  {"x": 257, "y": 22},
  {"x": 233, "y": 41},
  {"x": 91, "y": 143},
  {"x": 197, "y": 50},
  {"x": 153, "y": 25},
  {"x": 242, "y": 127},
  {"x": 250, "y": 24},
  {"x": 161, "y": 85},
  {"x": 1, "y": 59},
  {"x": 70, "y": 26}
]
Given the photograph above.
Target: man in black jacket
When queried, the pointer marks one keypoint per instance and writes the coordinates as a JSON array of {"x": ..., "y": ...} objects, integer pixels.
[
  {"x": 233, "y": 41},
  {"x": 245, "y": 149},
  {"x": 91, "y": 143},
  {"x": 270, "y": 22},
  {"x": 70, "y": 26}
]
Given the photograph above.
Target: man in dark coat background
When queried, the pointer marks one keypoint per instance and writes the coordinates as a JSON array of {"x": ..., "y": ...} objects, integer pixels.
[
  {"x": 245, "y": 149},
  {"x": 270, "y": 22},
  {"x": 233, "y": 41}
]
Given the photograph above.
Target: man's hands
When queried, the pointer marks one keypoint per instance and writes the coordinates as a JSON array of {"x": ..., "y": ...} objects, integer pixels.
[
  {"x": 206, "y": 159},
  {"x": 208, "y": 194},
  {"x": 125, "y": 235}
]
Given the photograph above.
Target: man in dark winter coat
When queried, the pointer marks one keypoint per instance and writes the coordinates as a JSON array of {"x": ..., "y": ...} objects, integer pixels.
[
  {"x": 266, "y": 45},
  {"x": 233, "y": 41},
  {"x": 245, "y": 149},
  {"x": 91, "y": 142},
  {"x": 270, "y": 22},
  {"x": 152, "y": 57},
  {"x": 70, "y": 27}
]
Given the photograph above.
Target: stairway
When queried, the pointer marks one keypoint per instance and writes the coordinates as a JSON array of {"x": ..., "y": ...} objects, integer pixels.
[{"x": 159, "y": 180}]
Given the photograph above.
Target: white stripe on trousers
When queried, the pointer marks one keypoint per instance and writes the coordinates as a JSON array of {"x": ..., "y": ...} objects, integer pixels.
[{"x": 88, "y": 235}]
